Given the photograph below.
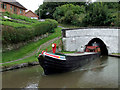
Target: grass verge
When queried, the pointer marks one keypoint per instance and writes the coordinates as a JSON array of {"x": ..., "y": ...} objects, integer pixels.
[
  {"x": 68, "y": 26},
  {"x": 32, "y": 58},
  {"x": 116, "y": 53},
  {"x": 27, "y": 49}
]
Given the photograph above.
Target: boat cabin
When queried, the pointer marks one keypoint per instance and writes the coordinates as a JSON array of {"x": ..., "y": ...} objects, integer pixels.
[{"x": 92, "y": 49}]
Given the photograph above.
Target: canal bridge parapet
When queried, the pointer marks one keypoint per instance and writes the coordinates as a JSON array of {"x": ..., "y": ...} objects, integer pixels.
[{"x": 74, "y": 39}]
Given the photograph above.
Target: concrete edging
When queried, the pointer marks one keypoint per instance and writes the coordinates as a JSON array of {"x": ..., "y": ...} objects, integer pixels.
[
  {"x": 19, "y": 66},
  {"x": 118, "y": 56}
]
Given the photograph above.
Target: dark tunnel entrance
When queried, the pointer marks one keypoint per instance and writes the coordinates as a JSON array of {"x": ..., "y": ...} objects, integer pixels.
[{"x": 101, "y": 44}]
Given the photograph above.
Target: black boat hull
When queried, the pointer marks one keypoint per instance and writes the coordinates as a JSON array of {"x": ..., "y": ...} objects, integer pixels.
[{"x": 52, "y": 65}]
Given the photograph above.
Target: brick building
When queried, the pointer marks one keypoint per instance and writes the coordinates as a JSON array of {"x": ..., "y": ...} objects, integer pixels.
[
  {"x": 31, "y": 15},
  {"x": 12, "y": 6}
]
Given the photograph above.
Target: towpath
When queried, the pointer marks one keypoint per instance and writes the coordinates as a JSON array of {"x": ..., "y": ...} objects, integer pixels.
[{"x": 46, "y": 44}]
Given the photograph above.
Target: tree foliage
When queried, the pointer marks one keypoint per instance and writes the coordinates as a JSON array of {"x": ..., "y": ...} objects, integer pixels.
[
  {"x": 93, "y": 14},
  {"x": 51, "y": 7},
  {"x": 98, "y": 15},
  {"x": 68, "y": 13}
]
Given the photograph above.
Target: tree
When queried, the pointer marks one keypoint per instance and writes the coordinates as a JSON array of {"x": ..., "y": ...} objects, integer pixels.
[
  {"x": 67, "y": 13},
  {"x": 51, "y": 7},
  {"x": 98, "y": 15}
]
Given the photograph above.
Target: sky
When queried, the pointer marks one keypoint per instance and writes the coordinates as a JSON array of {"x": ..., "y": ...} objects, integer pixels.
[{"x": 31, "y": 4}]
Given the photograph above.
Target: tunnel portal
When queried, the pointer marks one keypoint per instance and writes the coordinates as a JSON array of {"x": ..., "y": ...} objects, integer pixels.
[{"x": 101, "y": 44}]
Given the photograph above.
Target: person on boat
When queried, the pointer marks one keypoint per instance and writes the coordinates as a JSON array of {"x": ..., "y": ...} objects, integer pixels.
[
  {"x": 82, "y": 48},
  {"x": 95, "y": 44}
]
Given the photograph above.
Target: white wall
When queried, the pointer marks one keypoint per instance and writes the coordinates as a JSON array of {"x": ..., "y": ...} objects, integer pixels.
[{"x": 80, "y": 37}]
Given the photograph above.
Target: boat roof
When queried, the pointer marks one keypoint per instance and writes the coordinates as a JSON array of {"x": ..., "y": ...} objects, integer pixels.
[{"x": 80, "y": 54}]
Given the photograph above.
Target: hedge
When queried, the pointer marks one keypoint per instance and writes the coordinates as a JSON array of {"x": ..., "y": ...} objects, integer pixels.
[
  {"x": 15, "y": 24},
  {"x": 12, "y": 35}
]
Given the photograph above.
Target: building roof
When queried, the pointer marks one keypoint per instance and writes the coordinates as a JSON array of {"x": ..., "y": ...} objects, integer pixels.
[
  {"x": 32, "y": 12},
  {"x": 14, "y": 2}
]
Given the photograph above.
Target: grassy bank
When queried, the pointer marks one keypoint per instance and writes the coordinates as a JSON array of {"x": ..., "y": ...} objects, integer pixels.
[
  {"x": 68, "y": 26},
  {"x": 14, "y": 35},
  {"x": 32, "y": 58},
  {"x": 19, "y": 29},
  {"x": 116, "y": 53},
  {"x": 27, "y": 49}
]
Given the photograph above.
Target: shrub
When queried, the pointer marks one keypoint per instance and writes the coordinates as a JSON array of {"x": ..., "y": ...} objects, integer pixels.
[
  {"x": 53, "y": 24},
  {"x": 117, "y": 19},
  {"x": 41, "y": 28},
  {"x": 14, "y": 24},
  {"x": 13, "y": 35},
  {"x": 78, "y": 20},
  {"x": 6, "y": 14}
]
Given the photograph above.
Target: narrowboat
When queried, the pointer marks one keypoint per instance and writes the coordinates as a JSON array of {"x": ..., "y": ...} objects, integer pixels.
[{"x": 58, "y": 63}]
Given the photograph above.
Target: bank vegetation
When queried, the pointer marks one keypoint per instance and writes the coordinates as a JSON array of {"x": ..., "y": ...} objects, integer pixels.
[
  {"x": 82, "y": 14},
  {"x": 19, "y": 29}
]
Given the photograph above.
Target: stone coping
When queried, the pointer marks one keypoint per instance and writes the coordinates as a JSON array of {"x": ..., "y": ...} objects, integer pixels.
[
  {"x": 102, "y": 27},
  {"x": 112, "y": 55},
  {"x": 19, "y": 66}
]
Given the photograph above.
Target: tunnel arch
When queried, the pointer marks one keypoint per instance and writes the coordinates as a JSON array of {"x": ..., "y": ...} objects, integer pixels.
[{"x": 101, "y": 44}]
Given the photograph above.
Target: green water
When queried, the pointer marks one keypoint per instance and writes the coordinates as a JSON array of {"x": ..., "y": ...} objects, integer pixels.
[{"x": 101, "y": 73}]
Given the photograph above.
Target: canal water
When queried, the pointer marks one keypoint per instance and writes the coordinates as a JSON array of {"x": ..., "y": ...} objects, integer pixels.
[{"x": 100, "y": 73}]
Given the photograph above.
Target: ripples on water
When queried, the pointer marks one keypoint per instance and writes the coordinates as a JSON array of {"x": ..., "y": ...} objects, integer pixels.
[{"x": 100, "y": 73}]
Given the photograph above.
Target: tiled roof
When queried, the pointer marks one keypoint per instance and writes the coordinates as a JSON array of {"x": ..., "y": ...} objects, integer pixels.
[
  {"x": 32, "y": 12},
  {"x": 14, "y": 2}
]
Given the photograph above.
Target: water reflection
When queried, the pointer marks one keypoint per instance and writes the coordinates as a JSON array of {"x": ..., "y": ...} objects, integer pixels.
[
  {"x": 101, "y": 73},
  {"x": 22, "y": 77}
]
